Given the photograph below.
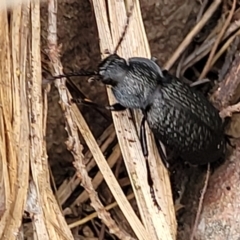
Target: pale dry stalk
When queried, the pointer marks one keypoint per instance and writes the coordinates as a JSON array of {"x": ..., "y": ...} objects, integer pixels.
[
  {"x": 158, "y": 224},
  {"x": 22, "y": 130}
]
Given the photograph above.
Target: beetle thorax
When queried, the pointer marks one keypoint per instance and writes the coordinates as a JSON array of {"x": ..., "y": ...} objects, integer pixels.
[
  {"x": 132, "y": 82},
  {"x": 112, "y": 70},
  {"x": 134, "y": 90}
]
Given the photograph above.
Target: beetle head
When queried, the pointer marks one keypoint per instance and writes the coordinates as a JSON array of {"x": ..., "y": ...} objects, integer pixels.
[{"x": 112, "y": 69}]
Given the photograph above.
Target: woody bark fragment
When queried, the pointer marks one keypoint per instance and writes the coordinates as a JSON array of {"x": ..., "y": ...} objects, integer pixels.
[
  {"x": 220, "y": 215},
  {"x": 228, "y": 91},
  {"x": 220, "y": 218}
]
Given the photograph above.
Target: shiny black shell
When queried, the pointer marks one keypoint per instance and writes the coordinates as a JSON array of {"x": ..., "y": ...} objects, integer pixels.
[
  {"x": 179, "y": 116},
  {"x": 183, "y": 119}
]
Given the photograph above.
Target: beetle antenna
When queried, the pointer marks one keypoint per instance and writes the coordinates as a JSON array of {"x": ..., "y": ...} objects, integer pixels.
[
  {"x": 94, "y": 73},
  {"x": 81, "y": 73},
  {"x": 129, "y": 14}
]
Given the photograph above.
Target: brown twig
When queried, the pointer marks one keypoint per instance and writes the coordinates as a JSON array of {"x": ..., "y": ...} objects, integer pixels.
[
  {"x": 98, "y": 178},
  {"x": 95, "y": 214},
  {"x": 200, "y": 205},
  {"x": 205, "y": 48},
  {"x": 208, "y": 64},
  {"x": 68, "y": 186},
  {"x": 224, "y": 48},
  {"x": 188, "y": 39},
  {"x": 227, "y": 92},
  {"x": 233, "y": 48}
]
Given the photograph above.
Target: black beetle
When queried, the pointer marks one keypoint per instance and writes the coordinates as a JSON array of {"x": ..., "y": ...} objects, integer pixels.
[{"x": 178, "y": 115}]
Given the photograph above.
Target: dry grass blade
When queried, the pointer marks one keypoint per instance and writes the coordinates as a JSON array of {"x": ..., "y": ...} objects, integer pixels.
[
  {"x": 202, "y": 8},
  {"x": 214, "y": 48},
  {"x": 12, "y": 184},
  {"x": 93, "y": 215},
  {"x": 224, "y": 48},
  {"x": 98, "y": 178},
  {"x": 162, "y": 224},
  {"x": 110, "y": 180},
  {"x": 48, "y": 221},
  {"x": 68, "y": 186},
  {"x": 22, "y": 129},
  {"x": 192, "y": 34},
  {"x": 206, "y": 47},
  {"x": 200, "y": 204}
]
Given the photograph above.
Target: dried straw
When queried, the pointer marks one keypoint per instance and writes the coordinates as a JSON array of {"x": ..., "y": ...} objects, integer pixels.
[
  {"x": 22, "y": 122},
  {"x": 158, "y": 224}
]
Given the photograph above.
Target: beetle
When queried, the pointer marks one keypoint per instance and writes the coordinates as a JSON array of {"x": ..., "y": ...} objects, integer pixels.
[{"x": 178, "y": 115}]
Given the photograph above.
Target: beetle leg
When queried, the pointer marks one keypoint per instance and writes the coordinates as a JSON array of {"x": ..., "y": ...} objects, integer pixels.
[
  {"x": 162, "y": 153},
  {"x": 115, "y": 107},
  {"x": 79, "y": 97},
  {"x": 143, "y": 141},
  {"x": 86, "y": 102}
]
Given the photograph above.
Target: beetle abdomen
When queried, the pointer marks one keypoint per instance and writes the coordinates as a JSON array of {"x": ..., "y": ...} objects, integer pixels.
[{"x": 185, "y": 121}]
